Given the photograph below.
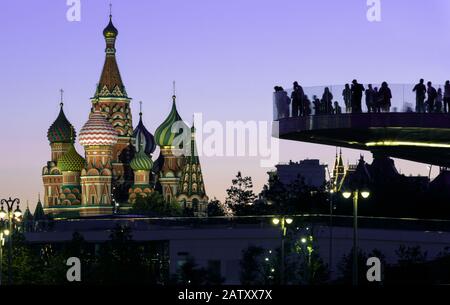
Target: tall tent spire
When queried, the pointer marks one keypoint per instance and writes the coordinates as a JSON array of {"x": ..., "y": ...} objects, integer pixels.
[{"x": 110, "y": 84}]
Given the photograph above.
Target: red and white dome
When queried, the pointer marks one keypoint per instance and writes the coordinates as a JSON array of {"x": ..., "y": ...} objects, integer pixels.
[{"x": 97, "y": 131}]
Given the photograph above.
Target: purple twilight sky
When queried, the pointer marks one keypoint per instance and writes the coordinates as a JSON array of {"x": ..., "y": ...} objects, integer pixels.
[{"x": 225, "y": 55}]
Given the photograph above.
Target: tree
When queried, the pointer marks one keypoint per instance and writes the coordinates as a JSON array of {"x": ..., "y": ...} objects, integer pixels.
[
  {"x": 240, "y": 194},
  {"x": 259, "y": 266},
  {"x": 122, "y": 260},
  {"x": 190, "y": 274},
  {"x": 410, "y": 255},
  {"x": 153, "y": 204},
  {"x": 308, "y": 266},
  {"x": 292, "y": 198},
  {"x": 215, "y": 208}
]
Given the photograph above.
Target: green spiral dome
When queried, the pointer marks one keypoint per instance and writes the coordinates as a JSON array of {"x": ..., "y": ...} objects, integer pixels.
[
  {"x": 141, "y": 162},
  {"x": 71, "y": 161},
  {"x": 164, "y": 135}
]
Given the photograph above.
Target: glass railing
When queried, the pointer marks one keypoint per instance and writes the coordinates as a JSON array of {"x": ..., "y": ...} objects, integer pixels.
[{"x": 335, "y": 100}]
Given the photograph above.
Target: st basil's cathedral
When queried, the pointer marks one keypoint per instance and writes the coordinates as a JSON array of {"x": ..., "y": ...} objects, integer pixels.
[{"x": 118, "y": 165}]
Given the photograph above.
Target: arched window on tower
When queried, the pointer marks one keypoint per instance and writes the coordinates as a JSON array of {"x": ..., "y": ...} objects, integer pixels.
[{"x": 195, "y": 204}]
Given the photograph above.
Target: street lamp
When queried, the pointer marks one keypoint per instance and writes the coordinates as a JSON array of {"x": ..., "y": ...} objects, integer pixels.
[
  {"x": 356, "y": 185},
  {"x": 331, "y": 189},
  {"x": 9, "y": 215},
  {"x": 347, "y": 194},
  {"x": 3, "y": 233},
  {"x": 284, "y": 220}
]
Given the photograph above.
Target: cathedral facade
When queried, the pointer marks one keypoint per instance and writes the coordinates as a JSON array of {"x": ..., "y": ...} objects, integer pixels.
[{"x": 118, "y": 167}]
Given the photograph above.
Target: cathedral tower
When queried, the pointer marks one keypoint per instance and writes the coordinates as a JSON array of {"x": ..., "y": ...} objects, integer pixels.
[
  {"x": 142, "y": 164},
  {"x": 169, "y": 137},
  {"x": 111, "y": 100},
  {"x": 192, "y": 192},
  {"x": 98, "y": 138},
  {"x": 338, "y": 172},
  {"x": 61, "y": 135}
]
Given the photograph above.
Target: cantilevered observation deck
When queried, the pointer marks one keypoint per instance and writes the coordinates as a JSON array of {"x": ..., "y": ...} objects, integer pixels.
[{"x": 420, "y": 137}]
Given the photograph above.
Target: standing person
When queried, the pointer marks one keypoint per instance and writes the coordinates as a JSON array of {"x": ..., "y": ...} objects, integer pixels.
[
  {"x": 385, "y": 96},
  {"x": 347, "y": 95},
  {"x": 357, "y": 92},
  {"x": 306, "y": 105},
  {"x": 376, "y": 100},
  {"x": 438, "y": 104},
  {"x": 337, "y": 108},
  {"x": 327, "y": 99},
  {"x": 447, "y": 97},
  {"x": 297, "y": 100},
  {"x": 420, "y": 90},
  {"x": 370, "y": 102},
  {"x": 317, "y": 105},
  {"x": 282, "y": 101},
  {"x": 432, "y": 94}
]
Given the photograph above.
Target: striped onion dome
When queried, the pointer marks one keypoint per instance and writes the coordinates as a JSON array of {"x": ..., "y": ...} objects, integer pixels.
[
  {"x": 98, "y": 131},
  {"x": 61, "y": 131},
  {"x": 141, "y": 162},
  {"x": 71, "y": 161},
  {"x": 164, "y": 135}
]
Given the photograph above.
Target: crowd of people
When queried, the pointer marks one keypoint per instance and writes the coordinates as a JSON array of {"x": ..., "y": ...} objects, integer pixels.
[
  {"x": 436, "y": 101},
  {"x": 428, "y": 99}
]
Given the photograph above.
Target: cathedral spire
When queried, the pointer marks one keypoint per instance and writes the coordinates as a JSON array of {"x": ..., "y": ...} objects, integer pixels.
[{"x": 110, "y": 84}]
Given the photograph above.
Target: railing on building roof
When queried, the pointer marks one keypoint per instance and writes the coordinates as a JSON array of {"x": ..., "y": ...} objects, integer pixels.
[{"x": 403, "y": 100}]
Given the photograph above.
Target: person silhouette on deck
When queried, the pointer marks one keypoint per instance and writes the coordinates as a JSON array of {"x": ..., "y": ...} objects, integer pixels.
[
  {"x": 420, "y": 90},
  {"x": 347, "y": 95},
  {"x": 447, "y": 97},
  {"x": 327, "y": 100},
  {"x": 357, "y": 92},
  {"x": 384, "y": 97},
  {"x": 297, "y": 100},
  {"x": 370, "y": 102},
  {"x": 432, "y": 94}
]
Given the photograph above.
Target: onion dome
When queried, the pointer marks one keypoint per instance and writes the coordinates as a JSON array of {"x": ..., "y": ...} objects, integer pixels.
[
  {"x": 71, "y": 161},
  {"x": 98, "y": 131},
  {"x": 110, "y": 31},
  {"x": 164, "y": 135},
  {"x": 61, "y": 131},
  {"x": 143, "y": 138},
  {"x": 141, "y": 162}
]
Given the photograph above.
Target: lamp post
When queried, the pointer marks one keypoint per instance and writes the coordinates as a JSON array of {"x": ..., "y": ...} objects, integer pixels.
[
  {"x": 283, "y": 221},
  {"x": 330, "y": 199},
  {"x": 9, "y": 215},
  {"x": 347, "y": 194},
  {"x": 3, "y": 233}
]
